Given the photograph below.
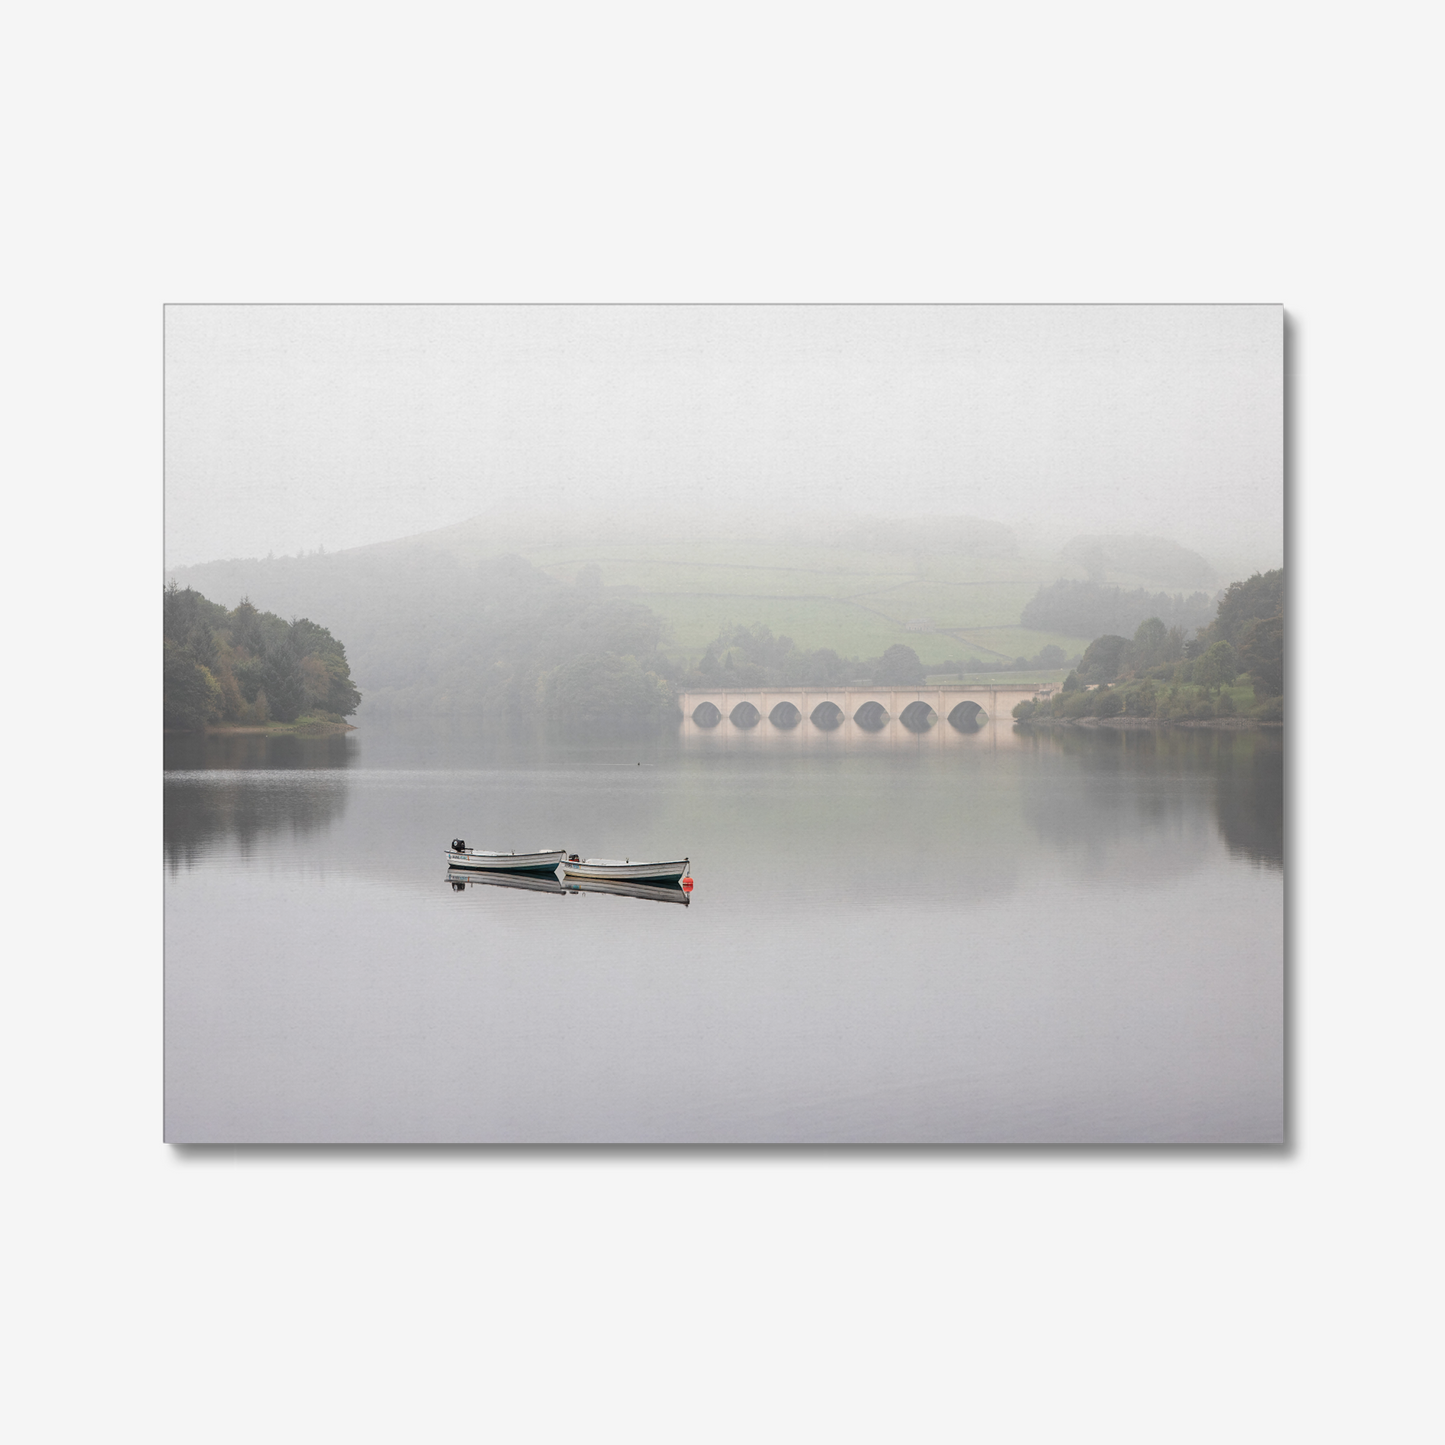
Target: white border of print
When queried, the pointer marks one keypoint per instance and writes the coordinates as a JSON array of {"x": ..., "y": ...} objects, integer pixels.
[{"x": 646, "y": 153}]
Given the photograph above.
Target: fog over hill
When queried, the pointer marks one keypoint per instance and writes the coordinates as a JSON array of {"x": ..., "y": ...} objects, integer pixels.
[{"x": 290, "y": 428}]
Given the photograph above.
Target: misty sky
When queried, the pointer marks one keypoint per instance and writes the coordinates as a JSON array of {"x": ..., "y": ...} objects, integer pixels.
[{"x": 293, "y": 427}]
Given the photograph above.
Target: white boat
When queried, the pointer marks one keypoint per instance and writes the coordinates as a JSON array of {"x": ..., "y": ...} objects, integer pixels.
[
  {"x": 623, "y": 870},
  {"x": 544, "y": 860}
]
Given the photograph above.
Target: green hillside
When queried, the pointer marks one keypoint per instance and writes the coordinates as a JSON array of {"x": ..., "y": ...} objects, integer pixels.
[{"x": 855, "y": 601}]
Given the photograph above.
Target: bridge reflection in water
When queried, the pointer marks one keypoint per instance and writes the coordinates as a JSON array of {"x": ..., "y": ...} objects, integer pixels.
[{"x": 865, "y": 716}]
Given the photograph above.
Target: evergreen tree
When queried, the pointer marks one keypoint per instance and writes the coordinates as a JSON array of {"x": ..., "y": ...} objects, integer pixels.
[
  {"x": 1217, "y": 667},
  {"x": 899, "y": 666},
  {"x": 1261, "y": 652},
  {"x": 1259, "y": 596},
  {"x": 284, "y": 685},
  {"x": 191, "y": 697},
  {"x": 1104, "y": 658}
]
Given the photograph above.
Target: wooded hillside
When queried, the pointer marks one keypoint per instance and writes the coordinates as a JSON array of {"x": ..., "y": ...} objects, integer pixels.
[{"x": 246, "y": 666}]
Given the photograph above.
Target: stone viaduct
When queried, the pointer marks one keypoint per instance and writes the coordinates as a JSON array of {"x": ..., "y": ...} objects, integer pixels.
[{"x": 855, "y": 712}]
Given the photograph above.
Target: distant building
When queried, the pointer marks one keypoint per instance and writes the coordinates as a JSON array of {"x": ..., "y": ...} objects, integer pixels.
[{"x": 919, "y": 624}]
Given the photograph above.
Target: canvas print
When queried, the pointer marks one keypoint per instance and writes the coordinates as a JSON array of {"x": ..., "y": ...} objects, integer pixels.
[{"x": 724, "y": 725}]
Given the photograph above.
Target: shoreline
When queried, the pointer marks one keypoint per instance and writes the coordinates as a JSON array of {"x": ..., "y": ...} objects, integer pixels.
[{"x": 296, "y": 729}]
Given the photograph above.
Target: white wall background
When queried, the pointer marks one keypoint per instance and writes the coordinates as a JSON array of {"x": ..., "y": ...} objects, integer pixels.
[{"x": 1259, "y": 152}]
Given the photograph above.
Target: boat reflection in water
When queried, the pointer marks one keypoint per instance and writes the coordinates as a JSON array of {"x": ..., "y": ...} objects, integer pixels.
[
  {"x": 657, "y": 892},
  {"x": 532, "y": 882}
]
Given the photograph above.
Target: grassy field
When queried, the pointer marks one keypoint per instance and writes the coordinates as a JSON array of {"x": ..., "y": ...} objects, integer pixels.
[{"x": 856, "y": 602}]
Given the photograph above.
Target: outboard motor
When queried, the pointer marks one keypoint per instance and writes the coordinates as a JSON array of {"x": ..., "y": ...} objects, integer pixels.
[{"x": 459, "y": 845}]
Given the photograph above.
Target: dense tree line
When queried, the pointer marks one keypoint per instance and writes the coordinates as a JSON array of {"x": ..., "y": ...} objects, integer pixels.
[
  {"x": 1251, "y": 621},
  {"x": 1088, "y": 609},
  {"x": 1160, "y": 673},
  {"x": 753, "y": 657},
  {"x": 1154, "y": 557},
  {"x": 246, "y": 666}
]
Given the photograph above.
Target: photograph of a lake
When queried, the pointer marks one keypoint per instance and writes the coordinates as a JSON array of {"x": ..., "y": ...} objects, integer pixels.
[{"x": 1068, "y": 936}]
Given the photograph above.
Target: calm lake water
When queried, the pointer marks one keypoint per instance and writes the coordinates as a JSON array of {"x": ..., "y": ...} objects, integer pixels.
[{"x": 1071, "y": 937}]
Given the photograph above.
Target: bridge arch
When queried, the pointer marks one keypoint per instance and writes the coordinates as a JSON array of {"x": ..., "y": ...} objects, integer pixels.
[
  {"x": 871, "y": 717},
  {"x": 785, "y": 715},
  {"x": 707, "y": 714},
  {"x": 827, "y": 715},
  {"x": 918, "y": 717},
  {"x": 745, "y": 715},
  {"x": 968, "y": 717}
]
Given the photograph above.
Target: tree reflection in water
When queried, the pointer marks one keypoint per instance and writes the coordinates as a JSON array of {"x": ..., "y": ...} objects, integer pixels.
[
  {"x": 186, "y": 751},
  {"x": 219, "y": 792},
  {"x": 1093, "y": 818},
  {"x": 1249, "y": 795}
]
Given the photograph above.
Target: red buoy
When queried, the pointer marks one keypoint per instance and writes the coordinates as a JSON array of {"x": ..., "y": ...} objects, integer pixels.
[{"x": 687, "y": 885}]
